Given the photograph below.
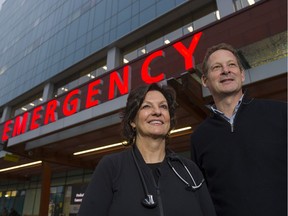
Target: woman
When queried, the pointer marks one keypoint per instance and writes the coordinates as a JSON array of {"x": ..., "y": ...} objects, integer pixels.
[{"x": 147, "y": 179}]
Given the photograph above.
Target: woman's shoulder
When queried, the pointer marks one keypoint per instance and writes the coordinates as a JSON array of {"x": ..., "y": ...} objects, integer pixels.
[
  {"x": 115, "y": 158},
  {"x": 111, "y": 164}
]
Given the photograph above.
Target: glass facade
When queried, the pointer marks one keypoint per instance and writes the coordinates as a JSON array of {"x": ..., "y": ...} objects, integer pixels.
[
  {"x": 61, "y": 193},
  {"x": 12, "y": 199},
  {"x": 47, "y": 37}
]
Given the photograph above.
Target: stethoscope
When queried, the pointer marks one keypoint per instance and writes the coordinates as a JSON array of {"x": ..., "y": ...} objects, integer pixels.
[{"x": 148, "y": 201}]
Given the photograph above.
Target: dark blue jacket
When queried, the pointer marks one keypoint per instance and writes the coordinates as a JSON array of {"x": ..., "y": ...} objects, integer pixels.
[{"x": 245, "y": 170}]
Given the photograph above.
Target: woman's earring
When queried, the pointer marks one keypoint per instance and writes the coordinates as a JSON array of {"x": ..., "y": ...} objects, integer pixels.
[{"x": 133, "y": 127}]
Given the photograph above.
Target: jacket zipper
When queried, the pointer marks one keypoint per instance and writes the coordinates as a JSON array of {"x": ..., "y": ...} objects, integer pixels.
[
  {"x": 232, "y": 127},
  {"x": 159, "y": 202},
  {"x": 157, "y": 186}
]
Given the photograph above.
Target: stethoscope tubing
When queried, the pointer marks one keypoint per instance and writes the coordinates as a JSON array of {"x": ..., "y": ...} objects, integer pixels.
[
  {"x": 195, "y": 186},
  {"x": 148, "y": 201}
]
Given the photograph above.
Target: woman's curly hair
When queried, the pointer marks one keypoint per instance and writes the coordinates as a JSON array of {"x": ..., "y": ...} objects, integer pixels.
[{"x": 135, "y": 100}]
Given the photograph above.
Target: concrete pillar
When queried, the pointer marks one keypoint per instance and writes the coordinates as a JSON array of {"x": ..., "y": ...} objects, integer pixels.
[
  {"x": 45, "y": 188},
  {"x": 225, "y": 7},
  {"x": 6, "y": 114},
  {"x": 113, "y": 58},
  {"x": 48, "y": 92}
]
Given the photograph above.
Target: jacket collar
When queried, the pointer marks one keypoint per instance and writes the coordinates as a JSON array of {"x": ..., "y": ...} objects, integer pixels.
[
  {"x": 245, "y": 100},
  {"x": 140, "y": 159}
]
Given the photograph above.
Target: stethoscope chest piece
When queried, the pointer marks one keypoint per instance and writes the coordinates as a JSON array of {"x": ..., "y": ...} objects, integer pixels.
[{"x": 149, "y": 201}]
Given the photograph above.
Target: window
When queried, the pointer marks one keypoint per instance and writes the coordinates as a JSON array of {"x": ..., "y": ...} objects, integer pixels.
[
  {"x": 27, "y": 105},
  {"x": 239, "y": 4},
  {"x": 80, "y": 78},
  {"x": 157, "y": 40}
]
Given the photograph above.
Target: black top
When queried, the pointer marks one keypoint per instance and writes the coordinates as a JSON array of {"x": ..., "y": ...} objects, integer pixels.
[{"x": 155, "y": 170}]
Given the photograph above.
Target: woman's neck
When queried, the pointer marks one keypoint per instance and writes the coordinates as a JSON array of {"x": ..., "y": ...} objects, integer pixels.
[{"x": 152, "y": 150}]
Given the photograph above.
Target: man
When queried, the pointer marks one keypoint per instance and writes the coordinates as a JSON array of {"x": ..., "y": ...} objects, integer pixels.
[{"x": 242, "y": 147}]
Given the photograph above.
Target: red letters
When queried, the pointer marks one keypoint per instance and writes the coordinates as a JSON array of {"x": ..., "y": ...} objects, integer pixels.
[
  {"x": 6, "y": 130},
  {"x": 51, "y": 114},
  {"x": 71, "y": 107},
  {"x": 188, "y": 53},
  {"x": 91, "y": 92},
  {"x": 35, "y": 117},
  {"x": 154, "y": 67},
  {"x": 20, "y": 124},
  {"x": 123, "y": 85},
  {"x": 145, "y": 72}
]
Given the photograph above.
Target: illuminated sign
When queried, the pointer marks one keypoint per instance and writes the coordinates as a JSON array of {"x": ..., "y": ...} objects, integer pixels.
[
  {"x": 164, "y": 63},
  {"x": 77, "y": 196}
]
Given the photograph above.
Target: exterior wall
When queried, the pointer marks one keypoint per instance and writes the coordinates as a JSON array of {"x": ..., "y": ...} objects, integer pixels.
[
  {"x": 54, "y": 47},
  {"x": 265, "y": 20},
  {"x": 225, "y": 32}
]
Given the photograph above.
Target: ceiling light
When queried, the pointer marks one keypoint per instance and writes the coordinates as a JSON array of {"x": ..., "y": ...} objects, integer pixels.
[
  {"x": 251, "y": 2},
  {"x": 125, "y": 61},
  {"x": 104, "y": 67},
  {"x": 190, "y": 28},
  {"x": 14, "y": 193},
  {"x": 143, "y": 51},
  {"x": 32, "y": 104},
  {"x": 99, "y": 148},
  {"x": 124, "y": 142},
  {"x": 24, "y": 109},
  {"x": 20, "y": 166},
  {"x": 166, "y": 41},
  {"x": 180, "y": 129},
  {"x": 217, "y": 13}
]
